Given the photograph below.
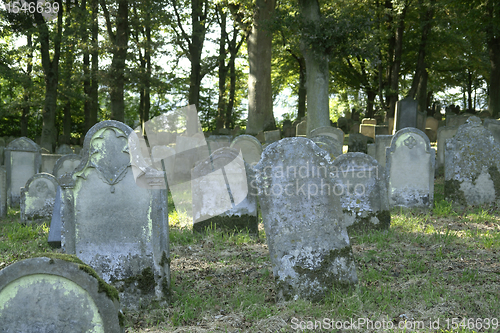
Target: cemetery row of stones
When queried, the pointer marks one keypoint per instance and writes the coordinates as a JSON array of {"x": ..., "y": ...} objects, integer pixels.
[{"x": 109, "y": 207}]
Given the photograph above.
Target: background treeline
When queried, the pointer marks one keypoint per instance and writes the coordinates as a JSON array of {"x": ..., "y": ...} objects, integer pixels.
[{"x": 131, "y": 60}]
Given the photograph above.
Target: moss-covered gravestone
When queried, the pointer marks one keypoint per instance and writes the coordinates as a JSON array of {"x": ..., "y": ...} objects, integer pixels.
[
  {"x": 111, "y": 223},
  {"x": 221, "y": 193},
  {"x": 54, "y": 295},
  {"x": 472, "y": 164},
  {"x": 308, "y": 244},
  {"x": 362, "y": 188}
]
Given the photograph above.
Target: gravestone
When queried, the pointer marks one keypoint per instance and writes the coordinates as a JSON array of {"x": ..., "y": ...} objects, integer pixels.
[
  {"x": 309, "y": 248},
  {"x": 457, "y": 120},
  {"x": 3, "y": 191},
  {"x": 444, "y": 133},
  {"x": 329, "y": 144},
  {"x": 381, "y": 143},
  {"x": 334, "y": 132},
  {"x": 64, "y": 149},
  {"x": 493, "y": 125},
  {"x": 22, "y": 160},
  {"x": 185, "y": 159},
  {"x": 431, "y": 128},
  {"x": 228, "y": 206},
  {"x": 367, "y": 130},
  {"x": 301, "y": 128},
  {"x": 250, "y": 147},
  {"x": 410, "y": 169},
  {"x": 363, "y": 192},
  {"x": 111, "y": 223},
  {"x": 472, "y": 164},
  {"x": 49, "y": 161},
  {"x": 371, "y": 150},
  {"x": 288, "y": 129},
  {"x": 215, "y": 142},
  {"x": 358, "y": 143},
  {"x": 77, "y": 149},
  {"x": 368, "y": 121},
  {"x": 65, "y": 165},
  {"x": 53, "y": 295},
  {"x": 272, "y": 136},
  {"x": 407, "y": 115},
  {"x": 37, "y": 198}
]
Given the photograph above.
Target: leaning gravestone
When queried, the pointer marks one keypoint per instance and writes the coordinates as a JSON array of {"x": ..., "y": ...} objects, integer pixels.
[
  {"x": 221, "y": 189},
  {"x": 112, "y": 224},
  {"x": 3, "y": 191},
  {"x": 472, "y": 165},
  {"x": 64, "y": 149},
  {"x": 53, "y": 295},
  {"x": 22, "y": 160},
  {"x": 37, "y": 198},
  {"x": 309, "y": 247},
  {"x": 362, "y": 188},
  {"x": 444, "y": 133},
  {"x": 410, "y": 169},
  {"x": 329, "y": 144},
  {"x": 334, "y": 132},
  {"x": 250, "y": 147},
  {"x": 66, "y": 165}
]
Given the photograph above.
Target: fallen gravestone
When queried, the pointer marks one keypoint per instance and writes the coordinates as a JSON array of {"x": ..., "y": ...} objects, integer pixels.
[
  {"x": 472, "y": 164},
  {"x": 228, "y": 206},
  {"x": 410, "y": 169},
  {"x": 308, "y": 245},
  {"x": 22, "y": 161},
  {"x": 250, "y": 147},
  {"x": 54, "y": 295},
  {"x": 37, "y": 198},
  {"x": 111, "y": 223},
  {"x": 362, "y": 188}
]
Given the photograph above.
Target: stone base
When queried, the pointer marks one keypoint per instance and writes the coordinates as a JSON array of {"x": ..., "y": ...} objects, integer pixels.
[{"x": 229, "y": 224}]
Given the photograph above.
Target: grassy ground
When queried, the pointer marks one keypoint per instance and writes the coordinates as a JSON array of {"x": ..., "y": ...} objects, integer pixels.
[{"x": 438, "y": 265}]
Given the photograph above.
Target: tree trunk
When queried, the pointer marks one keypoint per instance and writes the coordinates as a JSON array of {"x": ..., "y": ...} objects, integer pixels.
[
  {"x": 51, "y": 72},
  {"x": 396, "y": 64},
  {"x": 301, "y": 113},
  {"x": 370, "y": 102},
  {"x": 221, "y": 105},
  {"x": 234, "y": 47},
  {"x": 493, "y": 40},
  {"x": 27, "y": 87},
  {"x": 317, "y": 73},
  {"x": 68, "y": 68},
  {"x": 469, "y": 91},
  {"x": 198, "y": 16},
  {"x": 94, "y": 93},
  {"x": 259, "y": 43}
]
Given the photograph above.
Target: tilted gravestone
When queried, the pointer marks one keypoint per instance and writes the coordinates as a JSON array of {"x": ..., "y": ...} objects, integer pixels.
[
  {"x": 37, "y": 198},
  {"x": 362, "y": 188},
  {"x": 250, "y": 147},
  {"x": 334, "y": 132},
  {"x": 3, "y": 191},
  {"x": 228, "y": 204},
  {"x": 66, "y": 165},
  {"x": 64, "y": 149},
  {"x": 22, "y": 161},
  {"x": 444, "y": 133},
  {"x": 329, "y": 144},
  {"x": 111, "y": 223},
  {"x": 410, "y": 169},
  {"x": 407, "y": 115},
  {"x": 309, "y": 247},
  {"x": 472, "y": 164},
  {"x": 54, "y": 295}
]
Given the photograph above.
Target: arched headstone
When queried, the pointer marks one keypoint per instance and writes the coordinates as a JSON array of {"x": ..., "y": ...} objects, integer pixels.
[
  {"x": 37, "y": 198},
  {"x": 250, "y": 147}
]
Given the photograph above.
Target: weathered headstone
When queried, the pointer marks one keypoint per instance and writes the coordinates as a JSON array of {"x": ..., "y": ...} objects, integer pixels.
[
  {"x": 367, "y": 130},
  {"x": 381, "y": 143},
  {"x": 53, "y": 295},
  {"x": 329, "y": 144},
  {"x": 49, "y": 161},
  {"x": 309, "y": 248},
  {"x": 363, "y": 192},
  {"x": 444, "y": 133},
  {"x": 472, "y": 165},
  {"x": 37, "y": 198},
  {"x": 407, "y": 115},
  {"x": 228, "y": 205},
  {"x": 272, "y": 136},
  {"x": 410, "y": 169},
  {"x": 250, "y": 147},
  {"x": 22, "y": 160},
  {"x": 301, "y": 128},
  {"x": 64, "y": 149},
  {"x": 111, "y": 223},
  {"x": 358, "y": 143},
  {"x": 3, "y": 191},
  {"x": 66, "y": 165},
  {"x": 334, "y": 132}
]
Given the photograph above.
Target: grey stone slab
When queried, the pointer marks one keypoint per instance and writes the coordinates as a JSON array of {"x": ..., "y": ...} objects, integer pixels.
[
  {"x": 358, "y": 143},
  {"x": 37, "y": 198},
  {"x": 250, "y": 147},
  {"x": 65, "y": 165},
  {"x": 3, "y": 191},
  {"x": 64, "y": 149},
  {"x": 54, "y": 238},
  {"x": 110, "y": 222},
  {"x": 472, "y": 164},
  {"x": 362, "y": 187},
  {"x": 49, "y": 161},
  {"x": 329, "y": 144},
  {"x": 221, "y": 197},
  {"x": 309, "y": 247},
  {"x": 444, "y": 133},
  {"x": 371, "y": 148},
  {"x": 53, "y": 295},
  {"x": 22, "y": 160},
  {"x": 272, "y": 136},
  {"x": 410, "y": 169},
  {"x": 381, "y": 143},
  {"x": 334, "y": 132},
  {"x": 407, "y": 115}
]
